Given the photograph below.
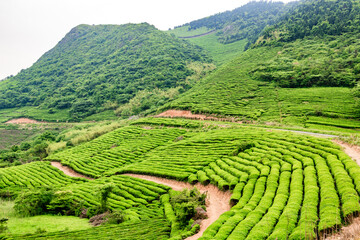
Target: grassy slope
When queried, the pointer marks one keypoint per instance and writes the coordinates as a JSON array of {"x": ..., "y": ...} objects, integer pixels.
[
  {"x": 221, "y": 53},
  {"x": 184, "y": 31},
  {"x": 10, "y": 137},
  {"x": 26, "y": 225},
  {"x": 34, "y": 113},
  {"x": 231, "y": 90}
]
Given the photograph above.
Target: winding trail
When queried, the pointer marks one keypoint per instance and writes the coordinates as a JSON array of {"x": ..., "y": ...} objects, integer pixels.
[
  {"x": 217, "y": 201},
  {"x": 68, "y": 171}
]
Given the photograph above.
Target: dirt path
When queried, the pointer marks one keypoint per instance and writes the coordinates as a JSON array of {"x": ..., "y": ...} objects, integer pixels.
[
  {"x": 23, "y": 121},
  {"x": 199, "y": 35},
  {"x": 68, "y": 171},
  {"x": 187, "y": 114},
  {"x": 352, "y": 151},
  {"x": 217, "y": 202},
  {"x": 351, "y": 232}
]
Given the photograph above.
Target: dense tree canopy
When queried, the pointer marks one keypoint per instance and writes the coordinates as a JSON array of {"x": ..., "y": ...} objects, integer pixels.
[
  {"x": 93, "y": 65},
  {"x": 320, "y": 42},
  {"x": 316, "y": 61},
  {"x": 316, "y": 18}
]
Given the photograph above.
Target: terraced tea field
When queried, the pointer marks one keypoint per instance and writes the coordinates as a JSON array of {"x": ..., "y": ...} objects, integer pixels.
[
  {"x": 118, "y": 148},
  {"x": 32, "y": 175},
  {"x": 154, "y": 229},
  {"x": 284, "y": 185}
]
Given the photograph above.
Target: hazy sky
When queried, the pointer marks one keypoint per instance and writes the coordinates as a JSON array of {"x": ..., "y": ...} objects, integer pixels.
[{"x": 29, "y": 28}]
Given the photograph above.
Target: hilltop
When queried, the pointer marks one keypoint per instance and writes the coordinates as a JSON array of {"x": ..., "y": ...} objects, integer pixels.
[{"x": 94, "y": 68}]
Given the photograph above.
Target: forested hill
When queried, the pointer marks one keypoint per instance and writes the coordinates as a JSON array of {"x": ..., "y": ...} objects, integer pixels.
[
  {"x": 105, "y": 64},
  {"x": 307, "y": 64},
  {"x": 316, "y": 18},
  {"x": 320, "y": 46},
  {"x": 245, "y": 22}
]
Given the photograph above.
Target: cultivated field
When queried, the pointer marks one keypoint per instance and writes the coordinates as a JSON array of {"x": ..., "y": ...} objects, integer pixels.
[{"x": 283, "y": 185}]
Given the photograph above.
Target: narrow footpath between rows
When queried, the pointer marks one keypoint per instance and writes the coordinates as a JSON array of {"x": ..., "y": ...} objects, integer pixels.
[{"x": 217, "y": 201}]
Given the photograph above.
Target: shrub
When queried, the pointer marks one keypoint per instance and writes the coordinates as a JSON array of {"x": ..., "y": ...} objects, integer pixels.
[{"x": 33, "y": 202}]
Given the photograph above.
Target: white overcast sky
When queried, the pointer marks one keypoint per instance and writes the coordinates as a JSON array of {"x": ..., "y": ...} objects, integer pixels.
[{"x": 29, "y": 28}]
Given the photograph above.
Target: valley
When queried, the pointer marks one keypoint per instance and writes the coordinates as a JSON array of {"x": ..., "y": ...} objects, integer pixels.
[{"x": 241, "y": 125}]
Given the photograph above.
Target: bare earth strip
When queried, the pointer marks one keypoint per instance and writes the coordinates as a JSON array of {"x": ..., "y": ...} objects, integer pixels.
[
  {"x": 352, "y": 231},
  {"x": 68, "y": 171},
  {"x": 187, "y": 114},
  {"x": 23, "y": 121},
  {"x": 352, "y": 151},
  {"x": 217, "y": 202}
]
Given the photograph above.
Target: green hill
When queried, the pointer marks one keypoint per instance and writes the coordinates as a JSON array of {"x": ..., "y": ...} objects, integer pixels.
[
  {"x": 94, "y": 68},
  {"x": 284, "y": 80},
  {"x": 232, "y": 31},
  {"x": 245, "y": 22}
]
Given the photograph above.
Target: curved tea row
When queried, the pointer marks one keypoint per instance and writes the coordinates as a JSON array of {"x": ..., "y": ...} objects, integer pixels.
[{"x": 284, "y": 186}]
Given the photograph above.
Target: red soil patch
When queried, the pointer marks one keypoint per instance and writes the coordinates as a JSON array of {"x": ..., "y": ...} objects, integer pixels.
[
  {"x": 187, "y": 114},
  {"x": 22, "y": 121}
]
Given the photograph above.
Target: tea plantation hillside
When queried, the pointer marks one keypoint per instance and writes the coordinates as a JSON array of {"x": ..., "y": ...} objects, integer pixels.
[
  {"x": 283, "y": 185},
  {"x": 288, "y": 76},
  {"x": 227, "y": 34},
  {"x": 97, "y": 68}
]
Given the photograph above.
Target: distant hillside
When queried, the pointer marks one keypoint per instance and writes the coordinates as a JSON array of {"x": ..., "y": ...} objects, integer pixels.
[
  {"x": 94, "y": 68},
  {"x": 245, "y": 22},
  {"x": 290, "y": 78},
  {"x": 229, "y": 33},
  {"x": 315, "y": 18},
  {"x": 326, "y": 50}
]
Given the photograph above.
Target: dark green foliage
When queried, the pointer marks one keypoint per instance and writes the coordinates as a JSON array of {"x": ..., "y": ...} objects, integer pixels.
[
  {"x": 317, "y": 18},
  {"x": 327, "y": 61},
  {"x": 104, "y": 193},
  {"x": 63, "y": 202},
  {"x": 185, "y": 202},
  {"x": 32, "y": 150},
  {"x": 93, "y": 65},
  {"x": 33, "y": 202},
  {"x": 115, "y": 217},
  {"x": 3, "y": 225}
]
